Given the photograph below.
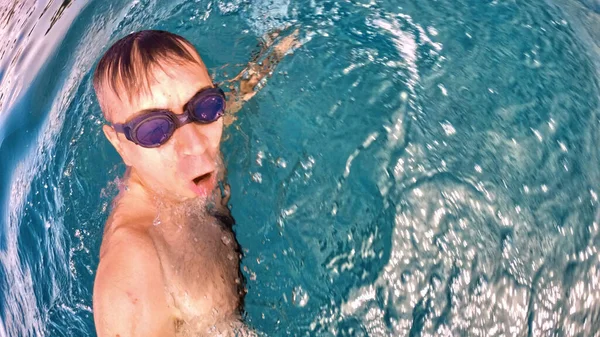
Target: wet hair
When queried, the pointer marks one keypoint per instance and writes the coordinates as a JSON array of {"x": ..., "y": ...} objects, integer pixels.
[{"x": 126, "y": 67}]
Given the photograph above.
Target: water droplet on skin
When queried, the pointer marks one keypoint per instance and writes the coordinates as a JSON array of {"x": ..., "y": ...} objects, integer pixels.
[{"x": 226, "y": 240}]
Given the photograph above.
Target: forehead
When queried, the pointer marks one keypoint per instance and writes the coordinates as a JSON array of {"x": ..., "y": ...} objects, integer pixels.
[{"x": 170, "y": 87}]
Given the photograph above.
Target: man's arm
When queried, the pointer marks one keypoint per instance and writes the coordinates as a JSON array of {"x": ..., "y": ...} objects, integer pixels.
[
  {"x": 129, "y": 295},
  {"x": 246, "y": 84}
]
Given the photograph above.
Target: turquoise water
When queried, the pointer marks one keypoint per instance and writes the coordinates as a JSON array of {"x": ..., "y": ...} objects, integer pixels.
[{"x": 417, "y": 168}]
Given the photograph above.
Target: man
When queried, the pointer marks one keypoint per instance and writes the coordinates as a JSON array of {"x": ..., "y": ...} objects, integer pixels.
[{"x": 169, "y": 262}]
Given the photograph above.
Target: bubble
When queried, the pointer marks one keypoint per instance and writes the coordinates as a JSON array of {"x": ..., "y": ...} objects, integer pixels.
[
  {"x": 257, "y": 177},
  {"x": 299, "y": 297},
  {"x": 281, "y": 163}
]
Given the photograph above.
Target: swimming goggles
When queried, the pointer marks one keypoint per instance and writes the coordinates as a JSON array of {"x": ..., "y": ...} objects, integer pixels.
[{"x": 154, "y": 128}]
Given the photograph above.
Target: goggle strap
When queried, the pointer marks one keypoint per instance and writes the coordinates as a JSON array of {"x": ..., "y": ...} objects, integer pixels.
[{"x": 124, "y": 129}]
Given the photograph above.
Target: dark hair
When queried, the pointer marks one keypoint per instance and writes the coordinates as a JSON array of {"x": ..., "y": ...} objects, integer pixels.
[{"x": 126, "y": 67}]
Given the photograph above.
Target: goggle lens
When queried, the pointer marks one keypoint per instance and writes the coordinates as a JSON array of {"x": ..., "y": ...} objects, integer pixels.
[
  {"x": 154, "y": 132},
  {"x": 208, "y": 109},
  {"x": 156, "y": 127}
]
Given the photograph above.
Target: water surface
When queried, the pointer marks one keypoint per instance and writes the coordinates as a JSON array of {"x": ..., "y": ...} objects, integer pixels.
[{"x": 415, "y": 169}]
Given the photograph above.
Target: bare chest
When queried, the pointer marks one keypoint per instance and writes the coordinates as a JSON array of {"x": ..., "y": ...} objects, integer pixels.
[{"x": 200, "y": 265}]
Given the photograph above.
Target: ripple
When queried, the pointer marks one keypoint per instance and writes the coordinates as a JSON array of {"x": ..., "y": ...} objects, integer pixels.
[{"x": 409, "y": 171}]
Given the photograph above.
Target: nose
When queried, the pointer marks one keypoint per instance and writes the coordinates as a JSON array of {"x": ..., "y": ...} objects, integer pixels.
[{"x": 190, "y": 140}]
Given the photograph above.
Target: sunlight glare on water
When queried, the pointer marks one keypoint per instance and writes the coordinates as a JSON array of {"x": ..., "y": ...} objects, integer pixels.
[{"x": 414, "y": 169}]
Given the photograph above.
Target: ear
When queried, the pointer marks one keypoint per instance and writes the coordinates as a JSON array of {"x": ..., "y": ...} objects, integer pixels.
[{"x": 111, "y": 135}]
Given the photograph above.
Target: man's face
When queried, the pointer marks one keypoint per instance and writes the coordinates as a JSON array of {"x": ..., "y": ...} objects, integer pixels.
[{"x": 186, "y": 166}]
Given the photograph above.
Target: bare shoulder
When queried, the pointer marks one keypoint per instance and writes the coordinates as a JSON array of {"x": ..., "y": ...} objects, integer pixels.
[{"x": 129, "y": 297}]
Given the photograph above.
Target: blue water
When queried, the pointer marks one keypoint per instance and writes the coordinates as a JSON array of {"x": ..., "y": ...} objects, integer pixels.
[{"x": 416, "y": 168}]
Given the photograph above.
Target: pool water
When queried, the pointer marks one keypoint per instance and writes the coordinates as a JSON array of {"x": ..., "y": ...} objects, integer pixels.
[{"x": 416, "y": 168}]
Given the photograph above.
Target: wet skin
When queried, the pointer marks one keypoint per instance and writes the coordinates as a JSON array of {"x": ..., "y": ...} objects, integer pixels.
[
  {"x": 167, "y": 266},
  {"x": 138, "y": 283}
]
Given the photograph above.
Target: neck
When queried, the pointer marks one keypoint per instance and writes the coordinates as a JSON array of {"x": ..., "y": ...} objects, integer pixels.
[
  {"x": 168, "y": 213},
  {"x": 137, "y": 188}
]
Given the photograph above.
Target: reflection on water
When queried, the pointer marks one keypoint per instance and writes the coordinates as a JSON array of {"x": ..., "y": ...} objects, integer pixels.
[
  {"x": 64, "y": 5},
  {"x": 23, "y": 256},
  {"x": 19, "y": 21},
  {"x": 429, "y": 169}
]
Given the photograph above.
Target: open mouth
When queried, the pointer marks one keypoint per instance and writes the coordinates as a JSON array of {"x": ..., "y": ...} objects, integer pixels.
[
  {"x": 203, "y": 185},
  {"x": 201, "y": 178}
]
